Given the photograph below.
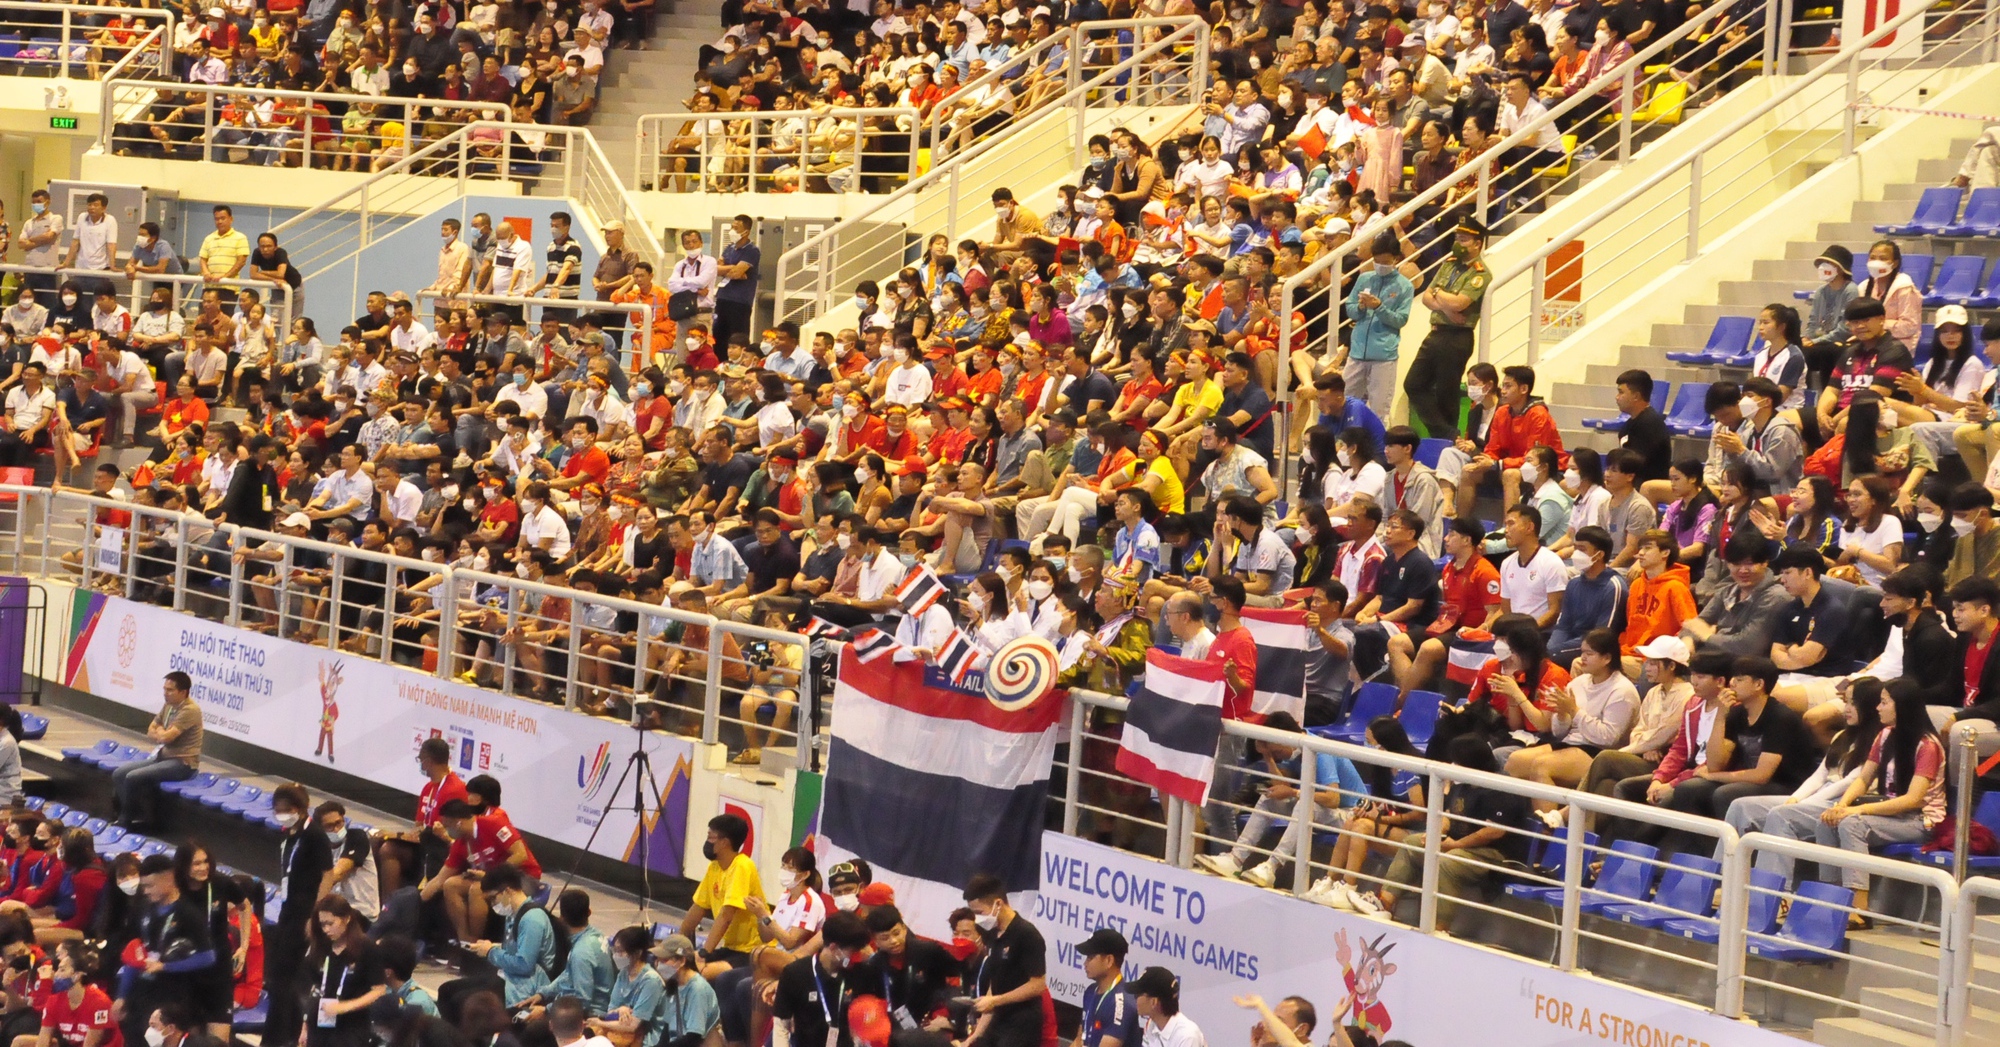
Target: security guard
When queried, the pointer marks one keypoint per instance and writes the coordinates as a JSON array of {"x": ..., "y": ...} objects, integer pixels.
[{"x": 1453, "y": 297}]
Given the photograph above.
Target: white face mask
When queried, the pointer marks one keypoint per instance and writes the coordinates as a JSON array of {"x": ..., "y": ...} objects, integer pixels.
[
  {"x": 987, "y": 922},
  {"x": 976, "y": 599},
  {"x": 481, "y": 562},
  {"x": 287, "y": 820},
  {"x": 1827, "y": 271},
  {"x": 1878, "y": 268},
  {"x": 1531, "y": 473},
  {"x": 1340, "y": 455},
  {"x": 1929, "y": 521},
  {"x": 1040, "y": 590},
  {"x": 1131, "y": 311},
  {"x": 1603, "y": 37},
  {"x": 503, "y": 908},
  {"x": 1075, "y": 576},
  {"x": 130, "y": 887},
  {"x": 850, "y": 411},
  {"x": 847, "y": 902},
  {"x": 521, "y": 570},
  {"x": 1502, "y": 651},
  {"x": 1961, "y": 528},
  {"x": 1572, "y": 478},
  {"x": 845, "y": 541},
  {"x": 899, "y": 355},
  {"x": 1476, "y": 391},
  {"x": 1749, "y": 405},
  {"x": 155, "y": 1037},
  {"x": 861, "y": 302},
  {"x": 1579, "y": 559},
  {"x": 864, "y": 475}
]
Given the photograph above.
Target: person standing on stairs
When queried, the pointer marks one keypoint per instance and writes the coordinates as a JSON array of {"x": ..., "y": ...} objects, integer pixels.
[
  {"x": 736, "y": 290},
  {"x": 1453, "y": 297}
]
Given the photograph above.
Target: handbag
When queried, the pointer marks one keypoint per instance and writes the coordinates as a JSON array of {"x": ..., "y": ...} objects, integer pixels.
[{"x": 682, "y": 305}]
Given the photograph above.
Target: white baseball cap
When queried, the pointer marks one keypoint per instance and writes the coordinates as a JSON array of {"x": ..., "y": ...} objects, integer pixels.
[{"x": 1665, "y": 649}]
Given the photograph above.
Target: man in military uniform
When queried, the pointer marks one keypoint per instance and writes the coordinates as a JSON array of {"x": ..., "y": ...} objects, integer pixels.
[{"x": 1453, "y": 297}]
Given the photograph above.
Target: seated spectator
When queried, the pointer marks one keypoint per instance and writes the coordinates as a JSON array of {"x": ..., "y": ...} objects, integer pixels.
[
  {"x": 1742, "y": 617},
  {"x": 481, "y": 844},
  {"x": 1661, "y": 600},
  {"x": 1592, "y": 714},
  {"x": 1484, "y": 829},
  {"x": 1595, "y": 597},
  {"x": 1522, "y": 421},
  {"x": 177, "y": 731},
  {"x": 1470, "y": 599},
  {"x": 1338, "y": 787},
  {"x": 1860, "y": 722}
]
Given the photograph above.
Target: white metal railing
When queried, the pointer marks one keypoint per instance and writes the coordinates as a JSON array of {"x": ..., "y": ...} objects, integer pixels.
[
  {"x": 1169, "y": 71},
  {"x": 268, "y": 126},
  {"x": 187, "y": 288},
  {"x": 743, "y": 151},
  {"x": 706, "y": 672},
  {"x": 1822, "y": 122},
  {"x": 1977, "y": 927},
  {"x": 560, "y": 161},
  {"x": 623, "y": 318},
  {"x": 1099, "y": 801},
  {"x": 79, "y": 41}
]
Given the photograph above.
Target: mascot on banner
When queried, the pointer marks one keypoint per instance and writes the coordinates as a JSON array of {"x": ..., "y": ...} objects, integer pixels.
[{"x": 1365, "y": 978}]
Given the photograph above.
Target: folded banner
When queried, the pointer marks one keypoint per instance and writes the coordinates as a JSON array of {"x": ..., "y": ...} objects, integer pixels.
[
  {"x": 931, "y": 783},
  {"x": 1283, "y": 644},
  {"x": 1172, "y": 726}
]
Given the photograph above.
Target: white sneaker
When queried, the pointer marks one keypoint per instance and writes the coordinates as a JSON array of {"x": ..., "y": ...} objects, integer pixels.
[
  {"x": 1365, "y": 903},
  {"x": 1224, "y": 865},
  {"x": 1263, "y": 874},
  {"x": 1337, "y": 896},
  {"x": 1554, "y": 819}
]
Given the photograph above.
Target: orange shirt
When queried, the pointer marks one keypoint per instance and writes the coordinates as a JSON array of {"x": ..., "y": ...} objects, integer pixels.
[{"x": 1657, "y": 606}]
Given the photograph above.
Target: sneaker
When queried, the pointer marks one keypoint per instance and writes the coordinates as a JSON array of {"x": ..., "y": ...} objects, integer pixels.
[
  {"x": 1263, "y": 874},
  {"x": 1224, "y": 865},
  {"x": 1366, "y": 903},
  {"x": 1554, "y": 819},
  {"x": 1587, "y": 153},
  {"x": 1338, "y": 895}
]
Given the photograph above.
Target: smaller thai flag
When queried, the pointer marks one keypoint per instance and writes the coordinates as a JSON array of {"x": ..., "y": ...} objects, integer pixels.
[
  {"x": 956, "y": 656},
  {"x": 821, "y": 629},
  {"x": 870, "y": 644},
  {"x": 920, "y": 589},
  {"x": 1172, "y": 726},
  {"x": 1467, "y": 654}
]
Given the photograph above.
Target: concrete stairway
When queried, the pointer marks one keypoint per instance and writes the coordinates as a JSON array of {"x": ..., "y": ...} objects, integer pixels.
[
  {"x": 1904, "y": 1002},
  {"x": 655, "y": 80},
  {"x": 1773, "y": 278}
]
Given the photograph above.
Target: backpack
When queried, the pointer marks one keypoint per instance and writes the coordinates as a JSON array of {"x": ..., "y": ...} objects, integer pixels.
[{"x": 558, "y": 931}]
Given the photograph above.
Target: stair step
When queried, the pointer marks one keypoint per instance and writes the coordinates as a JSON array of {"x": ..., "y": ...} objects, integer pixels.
[
  {"x": 1917, "y": 955},
  {"x": 1919, "y": 1007},
  {"x": 1864, "y": 1032}
]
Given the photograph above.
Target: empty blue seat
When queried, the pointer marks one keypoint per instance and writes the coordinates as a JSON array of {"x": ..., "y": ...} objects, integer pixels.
[
  {"x": 1659, "y": 402},
  {"x": 1918, "y": 266},
  {"x": 109, "y": 842},
  {"x": 1988, "y": 296},
  {"x": 1373, "y": 699},
  {"x": 96, "y": 826},
  {"x": 1761, "y": 915},
  {"x": 80, "y": 755},
  {"x": 153, "y": 847},
  {"x": 220, "y": 788},
  {"x": 1429, "y": 448},
  {"x": 1815, "y": 926},
  {"x": 1419, "y": 716},
  {"x": 255, "y": 811},
  {"x": 243, "y": 796},
  {"x": 1730, "y": 335},
  {"x": 1552, "y": 863},
  {"x": 56, "y": 812},
  {"x": 1981, "y": 218},
  {"x": 1687, "y": 888},
  {"x": 201, "y": 781},
  {"x": 1627, "y": 876},
  {"x": 35, "y": 803},
  {"x": 1936, "y": 211},
  {"x": 1957, "y": 280},
  {"x": 125, "y": 754},
  {"x": 75, "y": 819},
  {"x": 34, "y": 728},
  {"x": 1689, "y": 416}
]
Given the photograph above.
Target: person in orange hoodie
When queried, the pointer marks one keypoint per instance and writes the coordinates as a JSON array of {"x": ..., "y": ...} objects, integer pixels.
[
  {"x": 1521, "y": 423},
  {"x": 1661, "y": 599}
]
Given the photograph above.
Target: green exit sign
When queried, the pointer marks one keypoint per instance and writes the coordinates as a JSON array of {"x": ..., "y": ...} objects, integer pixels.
[{"x": 62, "y": 123}]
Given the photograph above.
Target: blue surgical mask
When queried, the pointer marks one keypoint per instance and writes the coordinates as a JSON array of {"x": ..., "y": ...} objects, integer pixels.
[
  {"x": 61, "y": 984},
  {"x": 521, "y": 381},
  {"x": 38, "y": 207},
  {"x": 640, "y": 389}
]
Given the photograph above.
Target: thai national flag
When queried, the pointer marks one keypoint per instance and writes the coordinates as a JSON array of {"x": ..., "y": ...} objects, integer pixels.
[
  {"x": 1172, "y": 726},
  {"x": 920, "y": 589},
  {"x": 1284, "y": 645},
  {"x": 870, "y": 644},
  {"x": 1466, "y": 655},
  {"x": 821, "y": 629},
  {"x": 931, "y": 784},
  {"x": 956, "y": 656}
]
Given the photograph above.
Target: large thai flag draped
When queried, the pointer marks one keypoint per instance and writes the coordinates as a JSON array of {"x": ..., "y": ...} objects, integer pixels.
[
  {"x": 1283, "y": 644},
  {"x": 930, "y": 784},
  {"x": 1172, "y": 726}
]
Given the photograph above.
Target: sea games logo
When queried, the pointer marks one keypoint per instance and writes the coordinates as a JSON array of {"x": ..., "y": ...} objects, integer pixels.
[
  {"x": 592, "y": 769},
  {"x": 128, "y": 640}
]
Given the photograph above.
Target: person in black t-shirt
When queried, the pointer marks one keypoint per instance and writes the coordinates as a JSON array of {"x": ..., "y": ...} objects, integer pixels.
[
  {"x": 303, "y": 858},
  {"x": 1009, "y": 984},
  {"x": 1813, "y": 624},
  {"x": 1645, "y": 430},
  {"x": 171, "y": 953},
  {"x": 915, "y": 976},
  {"x": 1758, "y": 746},
  {"x": 1406, "y": 584},
  {"x": 812, "y": 992}
]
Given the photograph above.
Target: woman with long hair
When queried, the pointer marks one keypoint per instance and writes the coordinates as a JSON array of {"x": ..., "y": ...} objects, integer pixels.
[
  {"x": 1814, "y": 519},
  {"x": 1872, "y": 542},
  {"x": 1736, "y": 497},
  {"x": 1394, "y": 806},
  {"x": 1861, "y": 722},
  {"x": 1690, "y": 517},
  {"x": 343, "y": 973},
  {"x": 1902, "y": 300},
  {"x": 1318, "y": 548},
  {"x": 800, "y": 908},
  {"x": 218, "y": 896}
]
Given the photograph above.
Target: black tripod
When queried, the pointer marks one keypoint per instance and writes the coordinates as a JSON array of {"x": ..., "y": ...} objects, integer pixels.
[{"x": 642, "y": 781}]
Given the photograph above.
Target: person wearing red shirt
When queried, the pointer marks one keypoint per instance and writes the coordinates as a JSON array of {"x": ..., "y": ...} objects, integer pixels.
[
  {"x": 1236, "y": 651},
  {"x": 947, "y": 377},
  {"x": 701, "y": 349},
  {"x": 35, "y": 858},
  {"x": 983, "y": 386},
  {"x": 1520, "y": 424},
  {"x": 652, "y": 413},
  {"x": 479, "y": 844},
  {"x": 950, "y": 435},
  {"x": 408, "y": 857},
  {"x": 1470, "y": 589},
  {"x": 898, "y": 441},
  {"x": 79, "y": 1015},
  {"x": 859, "y": 432},
  {"x": 587, "y": 462},
  {"x": 500, "y": 518}
]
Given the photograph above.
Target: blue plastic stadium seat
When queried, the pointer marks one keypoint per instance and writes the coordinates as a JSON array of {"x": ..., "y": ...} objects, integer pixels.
[
  {"x": 202, "y": 780},
  {"x": 153, "y": 847},
  {"x": 125, "y": 754},
  {"x": 1419, "y": 716},
  {"x": 1815, "y": 927},
  {"x": 109, "y": 841},
  {"x": 36, "y": 803},
  {"x": 96, "y": 826},
  {"x": 1936, "y": 211},
  {"x": 1429, "y": 449},
  {"x": 1687, "y": 888},
  {"x": 1689, "y": 416},
  {"x": 222, "y": 787},
  {"x": 34, "y": 728},
  {"x": 1659, "y": 400},
  {"x": 56, "y": 812},
  {"x": 1730, "y": 335},
  {"x": 1957, "y": 280},
  {"x": 1627, "y": 876},
  {"x": 101, "y": 749},
  {"x": 1982, "y": 215},
  {"x": 1919, "y": 267},
  {"x": 1553, "y": 863},
  {"x": 1987, "y": 813},
  {"x": 75, "y": 819},
  {"x": 1373, "y": 699},
  {"x": 242, "y": 797},
  {"x": 1761, "y": 917},
  {"x": 255, "y": 811},
  {"x": 1988, "y": 296},
  {"x": 251, "y": 1019}
]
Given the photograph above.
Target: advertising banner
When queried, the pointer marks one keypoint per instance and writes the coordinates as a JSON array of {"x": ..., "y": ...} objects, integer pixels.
[
  {"x": 357, "y": 715},
  {"x": 1224, "y": 939}
]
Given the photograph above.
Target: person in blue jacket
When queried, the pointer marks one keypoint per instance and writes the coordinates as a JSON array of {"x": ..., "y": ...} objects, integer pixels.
[{"x": 1379, "y": 303}]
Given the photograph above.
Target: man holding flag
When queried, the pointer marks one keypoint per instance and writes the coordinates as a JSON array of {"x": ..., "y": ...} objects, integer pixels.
[
  {"x": 1471, "y": 591},
  {"x": 1236, "y": 651}
]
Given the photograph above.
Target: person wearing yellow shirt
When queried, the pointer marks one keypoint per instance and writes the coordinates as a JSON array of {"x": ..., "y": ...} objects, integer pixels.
[{"x": 724, "y": 893}]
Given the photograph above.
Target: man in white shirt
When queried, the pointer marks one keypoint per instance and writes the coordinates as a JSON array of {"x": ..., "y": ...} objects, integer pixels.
[
  {"x": 347, "y": 492},
  {"x": 397, "y": 500},
  {"x": 542, "y": 527},
  {"x": 30, "y": 407},
  {"x": 1533, "y": 579},
  {"x": 695, "y": 271},
  {"x": 406, "y": 335},
  {"x": 93, "y": 243},
  {"x": 132, "y": 391},
  {"x": 521, "y": 389},
  {"x": 513, "y": 267},
  {"x": 1157, "y": 998},
  {"x": 368, "y": 370},
  {"x": 887, "y": 23},
  {"x": 1519, "y": 109},
  {"x": 41, "y": 236},
  {"x": 588, "y": 48},
  {"x": 108, "y": 318}
]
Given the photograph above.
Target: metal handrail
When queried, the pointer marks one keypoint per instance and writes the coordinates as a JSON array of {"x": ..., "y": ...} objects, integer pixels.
[
  {"x": 1847, "y": 63},
  {"x": 75, "y": 31},
  {"x": 139, "y": 93},
  {"x": 629, "y": 312},
  {"x": 1190, "y": 32},
  {"x": 652, "y": 137},
  {"x": 277, "y": 297}
]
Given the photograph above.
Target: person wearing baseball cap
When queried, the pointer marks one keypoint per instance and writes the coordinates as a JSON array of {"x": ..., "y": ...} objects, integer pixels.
[
  {"x": 1157, "y": 998},
  {"x": 1110, "y": 1015}
]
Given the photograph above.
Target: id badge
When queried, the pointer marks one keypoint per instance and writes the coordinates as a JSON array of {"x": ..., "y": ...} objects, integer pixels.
[
  {"x": 832, "y": 1036},
  {"x": 327, "y": 1019},
  {"x": 904, "y": 1020}
]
